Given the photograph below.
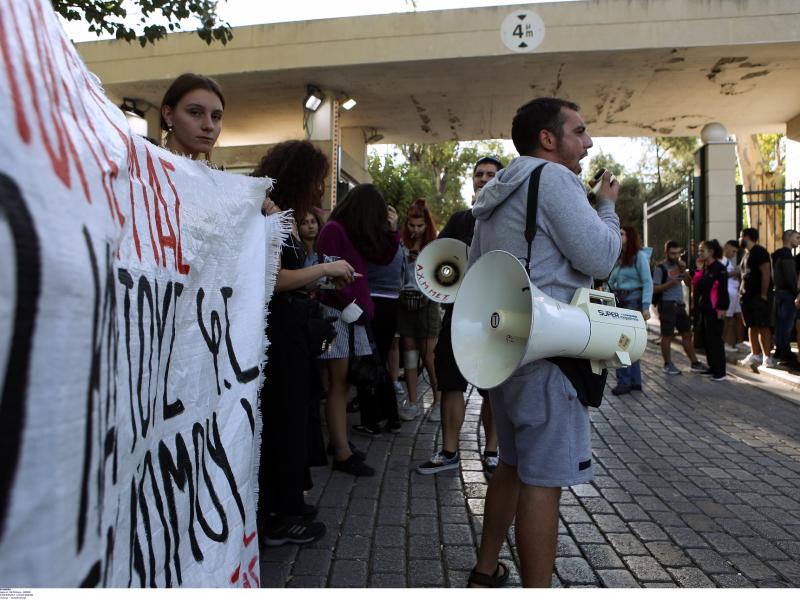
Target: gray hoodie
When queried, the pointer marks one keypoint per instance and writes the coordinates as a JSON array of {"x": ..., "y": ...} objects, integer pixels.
[{"x": 573, "y": 243}]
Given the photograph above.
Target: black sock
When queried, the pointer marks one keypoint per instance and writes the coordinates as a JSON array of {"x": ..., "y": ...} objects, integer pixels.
[
  {"x": 489, "y": 453},
  {"x": 449, "y": 454}
]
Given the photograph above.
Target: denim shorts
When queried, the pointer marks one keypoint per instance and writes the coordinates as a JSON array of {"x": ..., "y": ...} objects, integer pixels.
[{"x": 543, "y": 430}]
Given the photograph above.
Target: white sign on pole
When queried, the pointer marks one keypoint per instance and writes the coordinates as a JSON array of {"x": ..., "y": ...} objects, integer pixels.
[
  {"x": 132, "y": 291},
  {"x": 522, "y": 31}
]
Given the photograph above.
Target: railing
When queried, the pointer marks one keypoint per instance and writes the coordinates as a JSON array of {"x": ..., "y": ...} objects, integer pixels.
[
  {"x": 771, "y": 212},
  {"x": 669, "y": 218}
]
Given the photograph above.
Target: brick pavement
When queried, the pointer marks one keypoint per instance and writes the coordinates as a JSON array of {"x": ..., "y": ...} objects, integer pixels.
[{"x": 696, "y": 485}]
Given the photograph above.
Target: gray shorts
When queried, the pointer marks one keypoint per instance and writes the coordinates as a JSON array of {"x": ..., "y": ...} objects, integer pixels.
[{"x": 543, "y": 429}]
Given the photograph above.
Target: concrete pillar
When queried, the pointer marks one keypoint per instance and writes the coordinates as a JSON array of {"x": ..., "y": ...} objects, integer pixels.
[
  {"x": 792, "y": 172},
  {"x": 793, "y": 153},
  {"x": 354, "y": 164},
  {"x": 717, "y": 162},
  {"x": 322, "y": 128}
]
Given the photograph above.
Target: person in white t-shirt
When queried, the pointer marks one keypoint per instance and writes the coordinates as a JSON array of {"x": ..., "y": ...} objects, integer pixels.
[{"x": 733, "y": 333}]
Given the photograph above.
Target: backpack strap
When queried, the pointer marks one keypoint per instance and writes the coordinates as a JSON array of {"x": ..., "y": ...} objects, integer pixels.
[{"x": 532, "y": 209}]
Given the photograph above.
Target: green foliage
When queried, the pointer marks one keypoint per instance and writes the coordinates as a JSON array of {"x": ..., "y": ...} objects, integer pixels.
[
  {"x": 435, "y": 172},
  {"x": 632, "y": 193},
  {"x": 772, "y": 149},
  {"x": 110, "y": 16},
  {"x": 668, "y": 163}
]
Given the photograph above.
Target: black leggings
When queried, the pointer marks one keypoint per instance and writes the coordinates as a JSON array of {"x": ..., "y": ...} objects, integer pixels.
[
  {"x": 383, "y": 404},
  {"x": 713, "y": 342},
  {"x": 288, "y": 400}
]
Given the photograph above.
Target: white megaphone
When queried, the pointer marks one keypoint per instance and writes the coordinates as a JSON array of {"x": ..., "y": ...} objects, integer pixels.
[
  {"x": 440, "y": 268},
  {"x": 502, "y": 321}
]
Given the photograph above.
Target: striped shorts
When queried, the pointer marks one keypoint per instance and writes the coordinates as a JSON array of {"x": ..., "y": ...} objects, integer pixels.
[{"x": 340, "y": 347}]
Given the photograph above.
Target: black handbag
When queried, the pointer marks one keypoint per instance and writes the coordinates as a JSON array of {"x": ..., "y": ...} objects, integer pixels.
[
  {"x": 364, "y": 372},
  {"x": 319, "y": 331},
  {"x": 588, "y": 385}
]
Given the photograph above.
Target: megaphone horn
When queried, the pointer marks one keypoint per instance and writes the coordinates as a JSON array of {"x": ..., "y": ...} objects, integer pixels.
[
  {"x": 440, "y": 269},
  {"x": 502, "y": 321}
]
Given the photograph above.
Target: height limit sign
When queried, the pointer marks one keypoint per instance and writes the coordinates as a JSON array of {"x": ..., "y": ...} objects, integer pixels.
[{"x": 522, "y": 31}]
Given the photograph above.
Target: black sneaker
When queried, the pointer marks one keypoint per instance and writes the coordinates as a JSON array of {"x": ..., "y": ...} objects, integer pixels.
[
  {"x": 309, "y": 512},
  {"x": 359, "y": 454},
  {"x": 293, "y": 530},
  {"x": 621, "y": 389},
  {"x": 438, "y": 462},
  {"x": 698, "y": 367},
  {"x": 353, "y": 466},
  {"x": 372, "y": 431},
  {"x": 394, "y": 426},
  {"x": 490, "y": 462}
]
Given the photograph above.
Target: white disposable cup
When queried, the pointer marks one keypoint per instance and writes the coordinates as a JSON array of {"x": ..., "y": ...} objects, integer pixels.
[{"x": 351, "y": 312}]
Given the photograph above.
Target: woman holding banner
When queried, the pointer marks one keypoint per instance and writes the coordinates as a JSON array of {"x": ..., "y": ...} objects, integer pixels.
[
  {"x": 292, "y": 434},
  {"x": 191, "y": 115}
]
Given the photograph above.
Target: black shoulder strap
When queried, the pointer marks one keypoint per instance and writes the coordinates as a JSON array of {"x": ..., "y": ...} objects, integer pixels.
[
  {"x": 351, "y": 340},
  {"x": 532, "y": 209}
]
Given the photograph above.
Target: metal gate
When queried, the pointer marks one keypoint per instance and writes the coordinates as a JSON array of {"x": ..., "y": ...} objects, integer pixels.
[
  {"x": 771, "y": 212},
  {"x": 670, "y": 217}
]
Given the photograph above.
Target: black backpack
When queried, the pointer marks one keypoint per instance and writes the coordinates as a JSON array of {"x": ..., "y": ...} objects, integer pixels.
[{"x": 664, "y": 275}]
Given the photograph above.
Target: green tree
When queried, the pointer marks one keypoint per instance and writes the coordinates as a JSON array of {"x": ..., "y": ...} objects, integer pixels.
[
  {"x": 398, "y": 181},
  {"x": 632, "y": 192},
  {"x": 110, "y": 16},
  {"x": 668, "y": 163},
  {"x": 432, "y": 171}
]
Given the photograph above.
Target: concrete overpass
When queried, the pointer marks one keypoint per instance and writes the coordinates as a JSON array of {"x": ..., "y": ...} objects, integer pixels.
[{"x": 637, "y": 67}]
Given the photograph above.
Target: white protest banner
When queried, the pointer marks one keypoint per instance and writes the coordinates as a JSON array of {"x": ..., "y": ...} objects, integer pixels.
[{"x": 132, "y": 291}]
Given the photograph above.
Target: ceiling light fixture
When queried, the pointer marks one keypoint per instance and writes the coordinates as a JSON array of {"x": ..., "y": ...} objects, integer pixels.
[
  {"x": 348, "y": 102},
  {"x": 313, "y": 99},
  {"x": 371, "y": 135}
]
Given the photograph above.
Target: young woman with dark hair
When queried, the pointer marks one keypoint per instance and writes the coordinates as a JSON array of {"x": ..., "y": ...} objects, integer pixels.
[
  {"x": 360, "y": 229},
  {"x": 632, "y": 283},
  {"x": 419, "y": 320},
  {"x": 308, "y": 229},
  {"x": 191, "y": 115},
  {"x": 711, "y": 281},
  {"x": 291, "y": 441}
]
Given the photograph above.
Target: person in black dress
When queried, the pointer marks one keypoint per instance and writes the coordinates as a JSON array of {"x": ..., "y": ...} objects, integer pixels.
[{"x": 291, "y": 438}]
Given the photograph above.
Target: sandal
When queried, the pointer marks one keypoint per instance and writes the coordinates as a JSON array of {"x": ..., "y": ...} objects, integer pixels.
[{"x": 496, "y": 580}]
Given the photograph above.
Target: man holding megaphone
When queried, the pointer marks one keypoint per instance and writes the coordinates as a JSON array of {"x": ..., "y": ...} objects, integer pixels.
[{"x": 543, "y": 427}]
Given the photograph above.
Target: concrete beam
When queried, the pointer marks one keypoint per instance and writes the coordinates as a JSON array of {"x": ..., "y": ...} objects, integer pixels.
[
  {"x": 637, "y": 68},
  {"x": 793, "y": 129}
]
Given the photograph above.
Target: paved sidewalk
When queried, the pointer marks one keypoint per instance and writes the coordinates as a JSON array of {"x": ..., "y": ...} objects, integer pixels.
[{"x": 696, "y": 485}]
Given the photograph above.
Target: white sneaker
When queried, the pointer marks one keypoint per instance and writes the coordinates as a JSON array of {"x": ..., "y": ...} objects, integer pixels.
[
  {"x": 751, "y": 360},
  {"x": 435, "y": 415},
  {"x": 409, "y": 412},
  {"x": 770, "y": 362}
]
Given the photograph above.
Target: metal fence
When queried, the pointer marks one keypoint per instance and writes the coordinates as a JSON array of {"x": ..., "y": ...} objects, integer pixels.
[
  {"x": 770, "y": 212},
  {"x": 669, "y": 217}
]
